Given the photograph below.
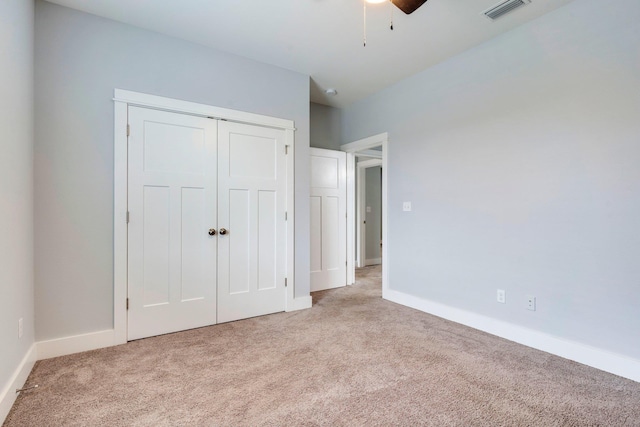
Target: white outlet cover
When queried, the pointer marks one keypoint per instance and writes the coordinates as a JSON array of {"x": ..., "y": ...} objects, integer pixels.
[
  {"x": 406, "y": 206},
  {"x": 531, "y": 303},
  {"x": 501, "y": 296},
  {"x": 368, "y": 209}
]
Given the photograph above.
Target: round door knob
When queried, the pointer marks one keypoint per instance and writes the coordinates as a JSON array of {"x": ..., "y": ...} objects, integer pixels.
[
  {"x": 212, "y": 232},
  {"x": 223, "y": 231}
]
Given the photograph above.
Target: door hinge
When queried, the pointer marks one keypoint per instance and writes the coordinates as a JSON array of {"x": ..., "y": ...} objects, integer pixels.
[
  {"x": 286, "y": 216},
  {"x": 128, "y": 130},
  {"x": 285, "y": 282},
  {"x": 127, "y": 303},
  {"x": 127, "y": 217},
  {"x": 286, "y": 149}
]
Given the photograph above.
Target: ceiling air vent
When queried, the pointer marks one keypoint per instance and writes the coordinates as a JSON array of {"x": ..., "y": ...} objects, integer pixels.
[{"x": 503, "y": 8}]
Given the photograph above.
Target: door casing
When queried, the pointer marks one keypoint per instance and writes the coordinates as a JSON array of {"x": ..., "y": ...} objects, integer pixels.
[
  {"x": 352, "y": 148},
  {"x": 122, "y": 100}
]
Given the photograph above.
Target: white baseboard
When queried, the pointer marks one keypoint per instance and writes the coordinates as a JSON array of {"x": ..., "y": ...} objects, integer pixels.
[
  {"x": 300, "y": 303},
  {"x": 604, "y": 360},
  {"x": 75, "y": 344},
  {"x": 8, "y": 395},
  {"x": 372, "y": 261}
]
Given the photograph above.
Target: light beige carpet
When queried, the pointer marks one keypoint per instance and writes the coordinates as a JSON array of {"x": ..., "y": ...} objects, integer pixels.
[{"x": 352, "y": 360}]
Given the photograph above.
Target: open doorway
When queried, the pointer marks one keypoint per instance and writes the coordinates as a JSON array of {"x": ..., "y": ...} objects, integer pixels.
[
  {"x": 368, "y": 211},
  {"x": 362, "y": 155}
]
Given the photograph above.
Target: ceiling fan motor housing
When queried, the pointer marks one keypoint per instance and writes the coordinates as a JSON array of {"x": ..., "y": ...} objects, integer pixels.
[{"x": 408, "y": 6}]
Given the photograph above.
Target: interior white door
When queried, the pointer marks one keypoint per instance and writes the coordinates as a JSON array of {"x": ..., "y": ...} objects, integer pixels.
[
  {"x": 328, "y": 219},
  {"x": 172, "y": 206},
  {"x": 251, "y": 217}
]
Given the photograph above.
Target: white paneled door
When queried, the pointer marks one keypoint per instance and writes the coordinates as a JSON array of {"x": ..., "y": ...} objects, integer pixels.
[
  {"x": 251, "y": 214},
  {"x": 328, "y": 219},
  {"x": 172, "y": 205},
  {"x": 206, "y": 232}
]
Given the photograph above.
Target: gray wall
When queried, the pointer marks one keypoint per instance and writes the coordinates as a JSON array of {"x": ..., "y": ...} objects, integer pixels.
[
  {"x": 80, "y": 59},
  {"x": 521, "y": 157},
  {"x": 326, "y": 127},
  {"x": 373, "y": 199},
  {"x": 16, "y": 183}
]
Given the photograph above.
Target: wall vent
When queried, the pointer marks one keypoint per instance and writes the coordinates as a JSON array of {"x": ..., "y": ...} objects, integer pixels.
[{"x": 503, "y": 8}]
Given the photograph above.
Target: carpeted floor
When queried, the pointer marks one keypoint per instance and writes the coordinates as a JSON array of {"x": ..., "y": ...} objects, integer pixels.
[{"x": 352, "y": 360}]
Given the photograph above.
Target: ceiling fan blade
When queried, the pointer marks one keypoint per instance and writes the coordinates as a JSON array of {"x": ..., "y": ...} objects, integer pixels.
[{"x": 408, "y": 6}]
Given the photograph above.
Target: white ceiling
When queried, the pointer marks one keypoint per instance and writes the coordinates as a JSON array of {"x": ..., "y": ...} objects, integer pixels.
[{"x": 323, "y": 38}]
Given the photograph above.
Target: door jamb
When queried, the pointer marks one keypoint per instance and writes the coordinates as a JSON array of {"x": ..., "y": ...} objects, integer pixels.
[
  {"x": 122, "y": 100},
  {"x": 381, "y": 139}
]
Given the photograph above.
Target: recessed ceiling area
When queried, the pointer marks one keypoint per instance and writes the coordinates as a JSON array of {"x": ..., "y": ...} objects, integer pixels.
[{"x": 324, "y": 38}]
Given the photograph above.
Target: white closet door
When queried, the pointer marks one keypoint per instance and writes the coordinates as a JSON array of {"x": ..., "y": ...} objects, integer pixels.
[
  {"x": 328, "y": 219},
  {"x": 251, "y": 219},
  {"x": 172, "y": 206}
]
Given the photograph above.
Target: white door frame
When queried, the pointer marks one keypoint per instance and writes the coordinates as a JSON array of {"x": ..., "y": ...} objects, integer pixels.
[
  {"x": 122, "y": 100},
  {"x": 352, "y": 148},
  {"x": 361, "y": 196}
]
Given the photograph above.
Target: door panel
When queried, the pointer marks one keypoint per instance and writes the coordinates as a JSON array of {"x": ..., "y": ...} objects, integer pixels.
[
  {"x": 194, "y": 222},
  {"x": 155, "y": 277},
  {"x": 251, "y": 206},
  {"x": 316, "y": 234},
  {"x": 239, "y": 247},
  {"x": 331, "y": 222},
  {"x": 172, "y": 204},
  {"x": 267, "y": 248},
  {"x": 328, "y": 206}
]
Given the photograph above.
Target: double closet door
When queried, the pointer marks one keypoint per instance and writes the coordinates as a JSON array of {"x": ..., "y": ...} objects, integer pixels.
[{"x": 207, "y": 230}]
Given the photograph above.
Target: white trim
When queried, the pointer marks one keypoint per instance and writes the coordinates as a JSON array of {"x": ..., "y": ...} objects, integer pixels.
[
  {"x": 361, "y": 226},
  {"x": 385, "y": 215},
  {"x": 8, "y": 395},
  {"x": 75, "y": 344},
  {"x": 365, "y": 143},
  {"x": 124, "y": 98},
  {"x": 375, "y": 154},
  {"x": 373, "y": 261},
  {"x": 381, "y": 139},
  {"x": 365, "y": 164},
  {"x": 597, "y": 358},
  {"x": 300, "y": 303},
  {"x": 120, "y": 228},
  {"x": 290, "y": 303},
  {"x": 162, "y": 103},
  {"x": 351, "y": 199}
]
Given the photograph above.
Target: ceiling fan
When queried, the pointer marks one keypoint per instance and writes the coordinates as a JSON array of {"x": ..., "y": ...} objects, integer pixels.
[{"x": 407, "y": 6}]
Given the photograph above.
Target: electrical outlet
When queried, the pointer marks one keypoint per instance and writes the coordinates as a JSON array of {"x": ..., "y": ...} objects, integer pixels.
[
  {"x": 531, "y": 303},
  {"x": 20, "y": 328},
  {"x": 406, "y": 206},
  {"x": 502, "y": 296}
]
